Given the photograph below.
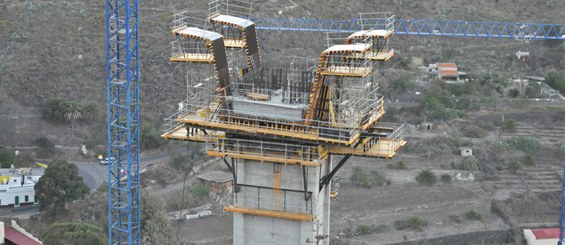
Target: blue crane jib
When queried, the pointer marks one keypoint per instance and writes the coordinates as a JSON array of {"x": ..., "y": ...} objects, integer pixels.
[{"x": 443, "y": 28}]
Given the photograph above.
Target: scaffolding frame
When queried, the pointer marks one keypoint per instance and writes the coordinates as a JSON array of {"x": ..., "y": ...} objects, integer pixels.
[{"x": 239, "y": 8}]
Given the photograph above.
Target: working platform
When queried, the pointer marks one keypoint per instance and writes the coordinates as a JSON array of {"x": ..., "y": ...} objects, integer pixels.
[
  {"x": 362, "y": 35},
  {"x": 193, "y": 57},
  {"x": 267, "y": 151}
]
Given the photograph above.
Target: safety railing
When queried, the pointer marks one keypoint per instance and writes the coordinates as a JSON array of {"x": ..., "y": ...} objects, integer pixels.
[
  {"x": 316, "y": 130},
  {"x": 237, "y": 8},
  {"x": 183, "y": 19},
  {"x": 264, "y": 198},
  {"x": 262, "y": 149},
  {"x": 377, "y": 21},
  {"x": 349, "y": 64},
  {"x": 190, "y": 49}
]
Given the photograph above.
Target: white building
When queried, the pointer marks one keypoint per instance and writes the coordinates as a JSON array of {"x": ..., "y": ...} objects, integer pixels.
[
  {"x": 547, "y": 236},
  {"x": 17, "y": 186}
]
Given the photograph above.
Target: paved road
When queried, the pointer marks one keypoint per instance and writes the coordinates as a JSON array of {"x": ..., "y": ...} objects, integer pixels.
[{"x": 93, "y": 173}]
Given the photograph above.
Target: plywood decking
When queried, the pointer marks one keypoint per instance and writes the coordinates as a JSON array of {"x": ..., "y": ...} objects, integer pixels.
[
  {"x": 346, "y": 71},
  {"x": 193, "y": 57},
  {"x": 269, "y": 213},
  {"x": 180, "y": 133},
  {"x": 234, "y": 43},
  {"x": 384, "y": 148}
]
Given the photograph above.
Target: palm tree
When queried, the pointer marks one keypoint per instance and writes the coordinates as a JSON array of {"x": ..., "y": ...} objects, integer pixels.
[
  {"x": 72, "y": 112},
  {"x": 90, "y": 110}
]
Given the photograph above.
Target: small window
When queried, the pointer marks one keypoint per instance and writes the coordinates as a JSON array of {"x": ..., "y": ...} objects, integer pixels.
[
  {"x": 26, "y": 198},
  {"x": 15, "y": 180}
]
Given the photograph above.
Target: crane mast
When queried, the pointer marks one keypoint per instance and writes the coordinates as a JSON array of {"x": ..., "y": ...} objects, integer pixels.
[{"x": 122, "y": 80}]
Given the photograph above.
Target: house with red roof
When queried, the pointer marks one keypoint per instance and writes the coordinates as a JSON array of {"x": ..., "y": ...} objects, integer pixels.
[
  {"x": 545, "y": 236},
  {"x": 16, "y": 235}
]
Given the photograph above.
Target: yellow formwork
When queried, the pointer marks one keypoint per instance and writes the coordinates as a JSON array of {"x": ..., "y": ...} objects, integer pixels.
[
  {"x": 384, "y": 148},
  {"x": 269, "y": 213}
]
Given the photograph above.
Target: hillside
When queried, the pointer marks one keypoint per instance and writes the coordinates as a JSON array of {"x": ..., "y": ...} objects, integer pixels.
[{"x": 56, "y": 49}]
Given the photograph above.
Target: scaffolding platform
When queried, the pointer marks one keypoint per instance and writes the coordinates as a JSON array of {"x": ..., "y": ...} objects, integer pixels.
[
  {"x": 267, "y": 151},
  {"x": 383, "y": 34},
  {"x": 193, "y": 57},
  {"x": 181, "y": 133},
  {"x": 383, "y": 148},
  {"x": 375, "y": 55},
  {"x": 346, "y": 71}
]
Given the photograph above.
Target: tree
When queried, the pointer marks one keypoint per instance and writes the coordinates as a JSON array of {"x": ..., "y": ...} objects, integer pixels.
[
  {"x": 72, "y": 112},
  {"x": 155, "y": 227},
  {"x": 59, "y": 185},
  {"x": 149, "y": 137},
  {"x": 6, "y": 157},
  {"x": 90, "y": 110},
  {"x": 74, "y": 233}
]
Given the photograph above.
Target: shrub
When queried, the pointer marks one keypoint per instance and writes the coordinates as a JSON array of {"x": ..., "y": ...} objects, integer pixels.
[
  {"x": 6, "y": 157},
  {"x": 44, "y": 143},
  {"x": 445, "y": 178},
  {"x": 360, "y": 178},
  {"x": 199, "y": 191},
  {"x": 473, "y": 215},
  {"x": 514, "y": 166},
  {"x": 455, "y": 219},
  {"x": 509, "y": 126},
  {"x": 364, "y": 230},
  {"x": 379, "y": 178},
  {"x": 426, "y": 177},
  {"x": 398, "y": 165},
  {"x": 521, "y": 143},
  {"x": 528, "y": 160},
  {"x": 473, "y": 131},
  {"x": 412, "y": 223}
]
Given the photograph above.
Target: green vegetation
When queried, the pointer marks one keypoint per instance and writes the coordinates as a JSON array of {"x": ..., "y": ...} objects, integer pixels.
[
  {"x": 154, "y": 223},
  {"x": 403, "y": 83},
  {"x": 400, "y": 165},
  {"x": 473, "y": 131},
  {"x": 6, "y": 157},
  {"x": 379, "y": 178},
  {"x": 509, "y": 126},
  {"x": 60, "y": 185},
  {"x": 150, "y": 137},
  {"x": 527, "y": 160},
  {"x": 514, "y": 166},
  {"x": 473, "y": 215},
  {"x": 200, "y": 191},
  {"x": 533, "y": 90},
  {"x": 445, "y": 178},
  {"x": 556, "y": 80},
  {"x": 455, "y": 218},
  {"x": 360, "y": 178},
  {"x": 412, "y": 223},
  {"x": 364, "y": 230},
  {"x": 468, "y": 163},
  {"x": 74, "y": 233},
  {"x": 61, "y": 109},
  {"x": 426, "y": 177},
  {"x": 520, "y": 143},
  {"x": 440, "y": 105},
  {"x": 91, "y": 110}
]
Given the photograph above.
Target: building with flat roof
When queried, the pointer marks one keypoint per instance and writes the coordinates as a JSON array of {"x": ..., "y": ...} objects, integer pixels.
[{"x": 17, "y": 186}]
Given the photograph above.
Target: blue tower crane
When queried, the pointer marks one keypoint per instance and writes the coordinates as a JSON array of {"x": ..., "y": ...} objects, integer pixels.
[
  {"x": 443, "y": 28},
  {"x": 122, "y": 80}
]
